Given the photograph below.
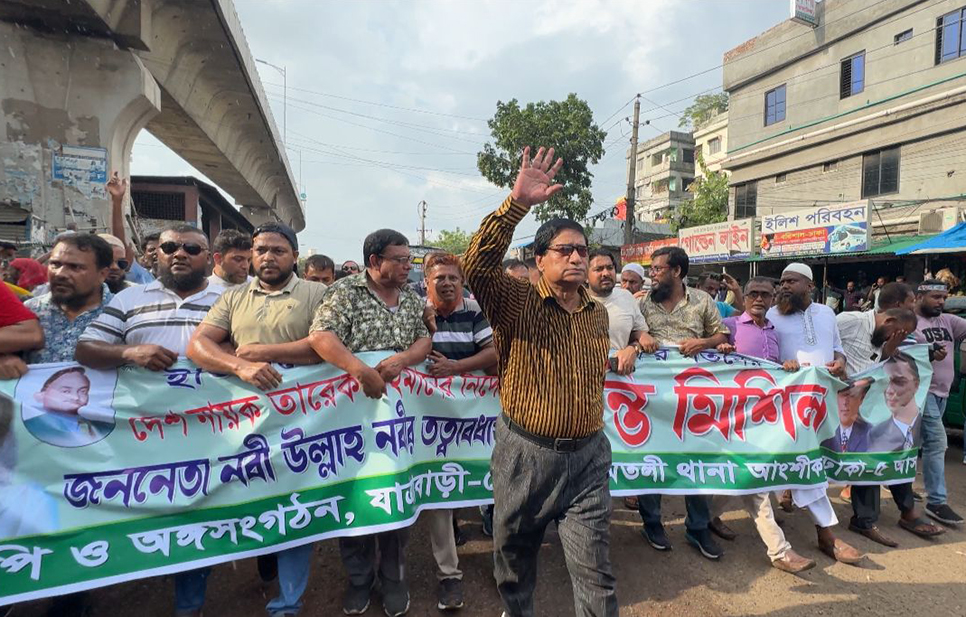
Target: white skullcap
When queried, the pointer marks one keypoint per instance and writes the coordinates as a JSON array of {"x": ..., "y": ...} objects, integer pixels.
[
  {"x": 799, "y": 268},
  {"x": 112, "y": 240},
  {"x": 637, "y": 269}
]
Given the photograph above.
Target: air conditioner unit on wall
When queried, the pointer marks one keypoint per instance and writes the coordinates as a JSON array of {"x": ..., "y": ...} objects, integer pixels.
[{"x": 938, "y": 221}]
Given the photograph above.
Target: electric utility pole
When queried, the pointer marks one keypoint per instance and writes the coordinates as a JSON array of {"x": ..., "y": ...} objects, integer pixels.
[{"x": 632, "y": 177}]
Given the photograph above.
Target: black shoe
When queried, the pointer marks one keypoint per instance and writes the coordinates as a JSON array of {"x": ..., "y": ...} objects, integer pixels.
[
  {"x": 395, "y": 598},
  {"x": 656, "y": 537},
  {"x": 703, "y": 541},
  {"x": 944, "y": 514},
  {"x": 449, "y": 594},
  {"x": 356, "y": 599},
  {"x": 267, "y": 567},
  {"x": 486, "y": 512}
]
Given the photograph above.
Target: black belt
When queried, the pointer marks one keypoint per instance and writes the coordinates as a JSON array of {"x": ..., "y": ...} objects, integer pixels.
[{"x": 560, "y": 444}]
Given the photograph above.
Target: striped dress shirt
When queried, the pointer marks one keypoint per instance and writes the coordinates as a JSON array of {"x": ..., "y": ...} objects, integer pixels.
[{"x": 552, "y": 362}]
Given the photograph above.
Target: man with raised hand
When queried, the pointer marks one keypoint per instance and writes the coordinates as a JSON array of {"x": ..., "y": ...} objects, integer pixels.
[
  {"x": 808, "y": 335},
  {"x": 551, "y": 459}
]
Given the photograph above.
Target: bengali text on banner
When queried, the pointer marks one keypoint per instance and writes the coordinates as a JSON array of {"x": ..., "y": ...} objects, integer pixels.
[{"x": 108, "y": 476}]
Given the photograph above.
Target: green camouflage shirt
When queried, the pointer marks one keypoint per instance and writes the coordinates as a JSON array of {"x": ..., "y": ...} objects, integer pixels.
[{"x": 363, "y": 322}]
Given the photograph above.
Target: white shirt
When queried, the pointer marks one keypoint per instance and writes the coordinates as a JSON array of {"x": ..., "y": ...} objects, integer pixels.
[
  {"x": 811, "y": 337},
  {"x": 624, "y": 315},
  {"x": 152, "y": 314},
  {"x": 855, "y": 330}
]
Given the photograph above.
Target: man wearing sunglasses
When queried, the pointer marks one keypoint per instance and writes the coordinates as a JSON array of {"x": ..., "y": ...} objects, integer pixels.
[
  {"x": 150, "y": 325},
  {"x": 551, "y": 458},
  {"x": 117, "y": 273}
]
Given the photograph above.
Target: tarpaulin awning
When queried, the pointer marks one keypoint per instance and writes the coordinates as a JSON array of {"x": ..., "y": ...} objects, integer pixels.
[{"x": 950, "y": 241}]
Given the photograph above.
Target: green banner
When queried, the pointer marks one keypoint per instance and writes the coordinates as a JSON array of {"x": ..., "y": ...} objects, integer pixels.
[{"x": 108, "y": 476}]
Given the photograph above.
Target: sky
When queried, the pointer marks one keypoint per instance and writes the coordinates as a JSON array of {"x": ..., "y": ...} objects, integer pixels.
[{"x": 388, "y": 101}]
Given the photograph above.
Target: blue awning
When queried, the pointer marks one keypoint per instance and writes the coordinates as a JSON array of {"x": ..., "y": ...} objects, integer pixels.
[{"x": 950, "y": 241}]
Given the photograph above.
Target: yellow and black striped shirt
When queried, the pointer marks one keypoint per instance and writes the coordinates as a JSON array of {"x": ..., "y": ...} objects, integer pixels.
[{"x": 552, "y": 362}]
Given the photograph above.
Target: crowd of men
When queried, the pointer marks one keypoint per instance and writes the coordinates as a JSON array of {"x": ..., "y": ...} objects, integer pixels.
[{"x": 551, "y": 329}]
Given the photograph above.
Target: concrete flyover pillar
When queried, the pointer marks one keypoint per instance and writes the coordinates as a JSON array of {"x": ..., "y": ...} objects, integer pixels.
[{"x": 71, "y": 109}]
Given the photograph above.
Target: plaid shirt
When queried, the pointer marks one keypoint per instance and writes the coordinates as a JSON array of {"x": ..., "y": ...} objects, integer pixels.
[
  {"x": 695, "y": 316},
  {"x": 363, "y": 322}
]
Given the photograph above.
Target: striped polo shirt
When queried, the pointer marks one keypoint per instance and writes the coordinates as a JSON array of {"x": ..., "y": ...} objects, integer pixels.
[
  {"x": 462, "y": 333},
  {"x": 152, "y": 314}
]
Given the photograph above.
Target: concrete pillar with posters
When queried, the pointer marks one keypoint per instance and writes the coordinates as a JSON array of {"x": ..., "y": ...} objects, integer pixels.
[{"x": 71, "y": 107}]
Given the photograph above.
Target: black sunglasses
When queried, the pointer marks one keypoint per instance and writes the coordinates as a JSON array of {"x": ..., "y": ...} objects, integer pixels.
[
  {"x": 170, "y": 248},
  {"x": 566, "y": 250},
  {"x": 122, "y": 264}
]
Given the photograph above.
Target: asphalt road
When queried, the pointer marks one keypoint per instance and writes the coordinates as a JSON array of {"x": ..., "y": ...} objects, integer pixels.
[{"x": 921, "y": 577}]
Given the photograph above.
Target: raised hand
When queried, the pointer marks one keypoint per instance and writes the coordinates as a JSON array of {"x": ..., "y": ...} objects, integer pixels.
[
  {"x": 533, "y": 186},
  {"x": 116, "y": 186}
]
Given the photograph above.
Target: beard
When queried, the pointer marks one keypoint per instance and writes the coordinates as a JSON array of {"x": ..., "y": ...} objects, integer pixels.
[
  {"x": 789, "y": 304},
  {"x": 72, "y": 299},
  {"x": 281, "y": 277},
  {"x": 115, "y": 285},
  {"x": 660, "y": 293},
  {"x": 183, "y": 281},
  {"x": 879, "y": 336},
  {"x": 930, "y": 311}
]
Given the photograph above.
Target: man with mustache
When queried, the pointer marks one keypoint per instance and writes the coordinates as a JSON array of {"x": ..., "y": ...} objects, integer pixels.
[
  {"x": 232, "y": 255},
  {"x": 627, "y": 327},
  {"x": 751, "y": 334},
  {"x": 150, "y": 326},
  {"x": 633, "y": 279},
  {"x": 264, "y": 321},
  {"x": 808, "y": 335},
  {"x": 462, "y": 342},
  {"x": 77, "y": 268},
  {"x": 551, "y": 459},
  {"x": 944, "y": 332},
  {"x": 688, "y": 318}
]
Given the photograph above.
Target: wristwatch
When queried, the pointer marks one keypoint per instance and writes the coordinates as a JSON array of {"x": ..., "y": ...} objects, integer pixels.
[{"x": 637, "y": 347}]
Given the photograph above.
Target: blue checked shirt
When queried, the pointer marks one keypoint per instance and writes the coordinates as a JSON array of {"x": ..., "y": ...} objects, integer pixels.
[{"x": 61, "y": 334}]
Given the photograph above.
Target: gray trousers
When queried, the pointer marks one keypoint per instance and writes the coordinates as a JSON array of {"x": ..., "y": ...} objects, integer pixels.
[
  {"x": 359, "y": 557},
  {"x": 533, "y": 486}
]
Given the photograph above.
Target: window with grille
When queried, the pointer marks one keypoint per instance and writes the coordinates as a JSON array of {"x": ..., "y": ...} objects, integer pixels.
[
  {"x": 746, "y": 200},
  {"x": 155, "y": 205},
  {"x": 880, "y": 172},
  {"x": 714, "y": 146},
  {"x": 775, "y": 105},
  {"x": 852, "y": 76},
  {"x": 951, "y": 36}
]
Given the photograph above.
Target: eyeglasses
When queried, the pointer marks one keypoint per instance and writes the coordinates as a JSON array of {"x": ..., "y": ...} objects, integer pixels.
[
  {"x": 401, "y": 260},
  {"x": 170, "y": 248},
  {"x": 566, "y": 250},
  {"x": 657, "y": 269},
  {"x": 123, "y": 264},
  {"x": 764, "y": 295}
]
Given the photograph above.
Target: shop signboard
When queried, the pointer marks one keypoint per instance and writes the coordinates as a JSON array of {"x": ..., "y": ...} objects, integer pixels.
[
  {"x": 641, "y": 253},
  {"x": 804, "y": 12},
  {"x": 839, "y": 228},
  {"x": 727, "y": 241}
]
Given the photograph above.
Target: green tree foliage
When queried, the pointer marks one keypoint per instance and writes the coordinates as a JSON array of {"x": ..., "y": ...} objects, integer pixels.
[
  {"x": 710, "y": 202},
  {"x": 567, "y": 126},
  {"x": 704, "y": 107},
  {"x": 456, "y": 241}
]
